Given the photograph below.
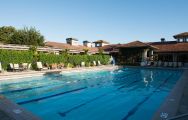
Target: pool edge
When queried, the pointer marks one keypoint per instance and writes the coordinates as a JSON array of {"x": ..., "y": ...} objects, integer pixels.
[
  {"x": 170, "y": 106},
  {"x": 14, "y": 111}
]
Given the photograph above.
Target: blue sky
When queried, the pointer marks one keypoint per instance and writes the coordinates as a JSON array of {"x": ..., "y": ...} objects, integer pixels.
[{"x": 117, "y": 21}]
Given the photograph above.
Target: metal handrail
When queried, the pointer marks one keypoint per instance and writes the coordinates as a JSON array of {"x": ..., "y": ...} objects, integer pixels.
[{"x": 178, "y": 117}]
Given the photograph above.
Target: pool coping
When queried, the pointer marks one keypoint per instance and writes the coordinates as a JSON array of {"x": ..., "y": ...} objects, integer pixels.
[
  {"x": 14, "y": 111},
  {"x": 25, "y": 74},
  {"x": 169, "y": 107}
]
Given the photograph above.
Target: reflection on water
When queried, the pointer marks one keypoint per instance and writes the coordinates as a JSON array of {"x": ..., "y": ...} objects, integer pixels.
[{"x": 147, "y": 76}]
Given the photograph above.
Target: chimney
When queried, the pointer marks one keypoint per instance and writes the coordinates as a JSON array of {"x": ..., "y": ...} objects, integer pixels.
[
  {"x": 72, "y": 41},
  {"x": 162, "y": 39},
  {"x": 86, "y": 43}
]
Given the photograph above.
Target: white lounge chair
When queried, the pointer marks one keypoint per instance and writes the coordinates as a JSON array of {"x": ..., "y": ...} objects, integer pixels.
[
  {"x": 170, "y": 64},
  {"x": 25, "y": 66},
  {"x": 94, "y": 63},
  {"x": 142, "y": 64},
  {"x": 165, "y": 64},
  {"x": 16, "y": 67},
  {"x": 98, "y": 63},
  {"x": 29, "y": 66},
  {"x": 40, "y": 67},
  {"x": 180, "y": 64},
  {"x": 0, "y": 67},
  {"x": 174, "y": 64},
  {"x": 11, "y": 66},
  {"x": 149, "y": 63},
  {"x": 155, "y": 64},
  {"x": 82, "y": 64},
  {"x": 159, "y": 63}
]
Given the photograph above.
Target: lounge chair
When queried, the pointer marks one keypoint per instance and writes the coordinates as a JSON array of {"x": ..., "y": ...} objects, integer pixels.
[
  {"x": 159, "y": 63},
  {"x": 180, "y": 64},
  {"x": 16, "y": 67},
  {"x": 170, "y": 64},
  {"x": 40, "y": 67},
  {"x": 94, "y": 63},
  {"x": 29, "y": 66},
  {"x": 11, "y": 66},
  {"x": 174, "y": 64},
  {"x": 149, "y": 63},
  {"x": 0, "y": 67},
  {"x": 155, "y": 64},
  {"x": 82, "y": 64},
  {"x": 142, "y": 64},
  {"x": 98, "y": 63},
  {"x": 24, "y": 66},
  {"x": 165, "y": 64}
]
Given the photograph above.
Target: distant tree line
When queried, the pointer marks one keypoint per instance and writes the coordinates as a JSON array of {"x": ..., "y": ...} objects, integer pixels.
[{"x": 25, "y": 36}]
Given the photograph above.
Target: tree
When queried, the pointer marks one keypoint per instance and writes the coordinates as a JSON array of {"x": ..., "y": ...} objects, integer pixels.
[
  {"x": 28, "y": 36},
  {"x": 6, "y": 33}
]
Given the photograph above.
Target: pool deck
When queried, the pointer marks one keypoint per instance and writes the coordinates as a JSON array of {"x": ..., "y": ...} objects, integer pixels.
[
  {"x": 30, "y": 73},
  {"x": 12, "y": 111},
  {"x": 176, "y": 103}
]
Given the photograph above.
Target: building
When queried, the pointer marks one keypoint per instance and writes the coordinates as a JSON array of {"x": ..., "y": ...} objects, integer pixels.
[
  {"x": 101, "y": 43},
  {"x": 72, "y": 41},
  {"x": 134, "y": 53},
  {"x": 87, "y": 43},
  {"x": 72, "y": 49}
]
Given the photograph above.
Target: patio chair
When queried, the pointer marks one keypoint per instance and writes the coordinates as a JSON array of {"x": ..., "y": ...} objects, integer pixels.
[
  {"x": 16, "y": 67},
  {"x": 0, "y": 67},
  {"x": 149, "y": 63},
  {"x": 170, "y": 64},
  {"x": 94, "y": 63},
  {"x": 11, "y": 66},
  {"x": 25, "y": 66},
  {"x": 82, "y": 64},
  {"x": 142, "y": 64},
  {"x": 29, "y": 66},
  {"x": 98, "y": 63},
  {"x": 165, "y": 64},
  {"x": 180, "y": 64},
  {"x": 155, "y": 63},
  {"x": 159, "y": 63},
  {"x": 40, "y": 67},
  {"x": 174, "y": 64}
]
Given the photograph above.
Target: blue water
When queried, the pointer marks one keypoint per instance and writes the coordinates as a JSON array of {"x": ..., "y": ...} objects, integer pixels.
[{"x": 123, "y": 94}]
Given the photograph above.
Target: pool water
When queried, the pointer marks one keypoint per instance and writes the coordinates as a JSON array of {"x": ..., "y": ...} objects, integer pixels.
[{"x": 123, "y": 94}]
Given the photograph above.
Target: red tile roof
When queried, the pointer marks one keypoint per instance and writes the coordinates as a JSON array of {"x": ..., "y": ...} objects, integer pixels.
[
  {"x": 135, "y": 44},
  {"x": 70, "y": 47},
  {"x": 101, "y": 41},
  {"x": 171, "y": 46}
]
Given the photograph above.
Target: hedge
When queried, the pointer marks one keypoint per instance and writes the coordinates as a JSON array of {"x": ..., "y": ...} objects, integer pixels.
[{"x": 11, "y": 56}]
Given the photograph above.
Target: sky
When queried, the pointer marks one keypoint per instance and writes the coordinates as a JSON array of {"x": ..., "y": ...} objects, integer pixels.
[{"x": 116, "y": 21}]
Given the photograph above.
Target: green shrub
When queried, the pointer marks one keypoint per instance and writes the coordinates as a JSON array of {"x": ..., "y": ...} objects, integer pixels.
[{"x": 10, "y": 56}]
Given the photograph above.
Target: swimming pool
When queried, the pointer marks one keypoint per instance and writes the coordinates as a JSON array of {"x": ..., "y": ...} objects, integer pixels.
[{"x": 123, "y": 94}]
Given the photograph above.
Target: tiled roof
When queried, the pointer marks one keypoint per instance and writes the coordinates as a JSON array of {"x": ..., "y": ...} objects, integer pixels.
[
  {"x": 70, "y": 47},
  {"x": 135, "y": 44},
  {"x": 170, "y": 46},
  {"x": 181, "y": 35},
  {"x": 101, "y": 41}
]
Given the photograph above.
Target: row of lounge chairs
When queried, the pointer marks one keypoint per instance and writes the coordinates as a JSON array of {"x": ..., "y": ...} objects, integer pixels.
[
  {"x": 40, "y": 66},
  {"x": 167, "y": 64},
  {"x": 19, "y": 67}
]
